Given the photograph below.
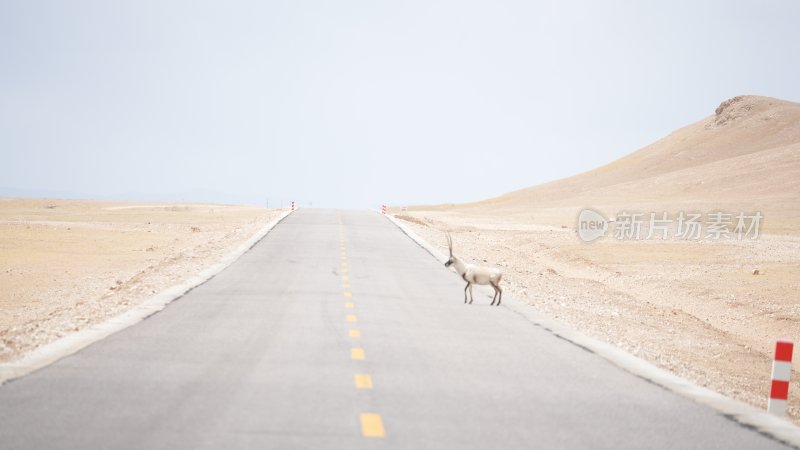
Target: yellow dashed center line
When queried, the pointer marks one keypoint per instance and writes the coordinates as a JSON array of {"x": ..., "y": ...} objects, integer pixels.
[
  {"x": 363, "y": 381},
  {"x": 372, "y": 425}
]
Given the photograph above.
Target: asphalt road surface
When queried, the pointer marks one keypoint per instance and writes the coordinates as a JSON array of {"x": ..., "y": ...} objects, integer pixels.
[{"x": 338, "y": 331}]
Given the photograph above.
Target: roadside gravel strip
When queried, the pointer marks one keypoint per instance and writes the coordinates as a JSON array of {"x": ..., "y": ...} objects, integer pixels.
[
  {"x": 778, "y": 428},
  {"x": 74, "y": 342}
]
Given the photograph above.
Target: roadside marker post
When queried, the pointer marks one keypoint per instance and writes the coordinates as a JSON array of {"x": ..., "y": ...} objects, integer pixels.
[
  {"x": 292, "y": 205},
  {"x": 781, "y": 372},
  {"x": 383, "y": 209}
]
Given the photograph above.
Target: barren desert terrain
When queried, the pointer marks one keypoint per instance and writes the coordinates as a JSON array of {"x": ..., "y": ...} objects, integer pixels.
[
  {"x": 67, "y": 264},
  {"x": 707, "y": 309}
]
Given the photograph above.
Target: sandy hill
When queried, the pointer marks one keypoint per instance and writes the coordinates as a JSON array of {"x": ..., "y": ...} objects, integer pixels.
[{"x": 745, "y": 156}]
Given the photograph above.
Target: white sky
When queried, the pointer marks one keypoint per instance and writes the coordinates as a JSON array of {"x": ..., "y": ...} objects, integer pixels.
[{"x": 356, "y": 103}]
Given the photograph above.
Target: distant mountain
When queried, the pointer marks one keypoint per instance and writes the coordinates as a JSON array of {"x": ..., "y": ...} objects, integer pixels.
[
  {"x": 745, "y": 156},
  {"x": 38, "y": 193},
  {"x": 192, "y": 196}
]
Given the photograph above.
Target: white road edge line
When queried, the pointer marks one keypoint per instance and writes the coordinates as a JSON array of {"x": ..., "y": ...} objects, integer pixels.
[
  {"x": 778, "y": 428},
  {"x": 74, "y": 342}
]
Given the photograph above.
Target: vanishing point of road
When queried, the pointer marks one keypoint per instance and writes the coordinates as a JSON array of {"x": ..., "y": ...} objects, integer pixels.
[{"x": 337, "y": 331}]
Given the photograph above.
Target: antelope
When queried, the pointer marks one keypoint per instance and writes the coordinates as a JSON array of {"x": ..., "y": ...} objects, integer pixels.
[{"x": 473, "y": 274}]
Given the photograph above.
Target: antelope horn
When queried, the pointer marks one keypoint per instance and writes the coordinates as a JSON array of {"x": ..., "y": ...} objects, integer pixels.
[{"x": 450, "y": 243}]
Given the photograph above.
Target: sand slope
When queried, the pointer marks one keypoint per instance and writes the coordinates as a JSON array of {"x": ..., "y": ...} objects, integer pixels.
[{"x": 745, "y": 156}]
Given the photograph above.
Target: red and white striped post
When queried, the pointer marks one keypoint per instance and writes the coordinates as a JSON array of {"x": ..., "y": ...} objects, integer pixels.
[
  {"x": 781, "y": 371},
  {"x": 292, "y": 205}
]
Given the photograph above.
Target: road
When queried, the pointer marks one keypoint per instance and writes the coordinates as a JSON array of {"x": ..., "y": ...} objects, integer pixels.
[{"x": 338, "y": 331}]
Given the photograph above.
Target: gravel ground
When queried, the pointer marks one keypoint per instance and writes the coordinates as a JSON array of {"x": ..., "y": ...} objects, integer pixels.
[
  {"x": 65, "y": 265},
  {"x": 694, "y": 308}
]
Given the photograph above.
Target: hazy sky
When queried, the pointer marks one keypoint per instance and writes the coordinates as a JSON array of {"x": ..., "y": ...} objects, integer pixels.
[{"x": 356, "y": 103}]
